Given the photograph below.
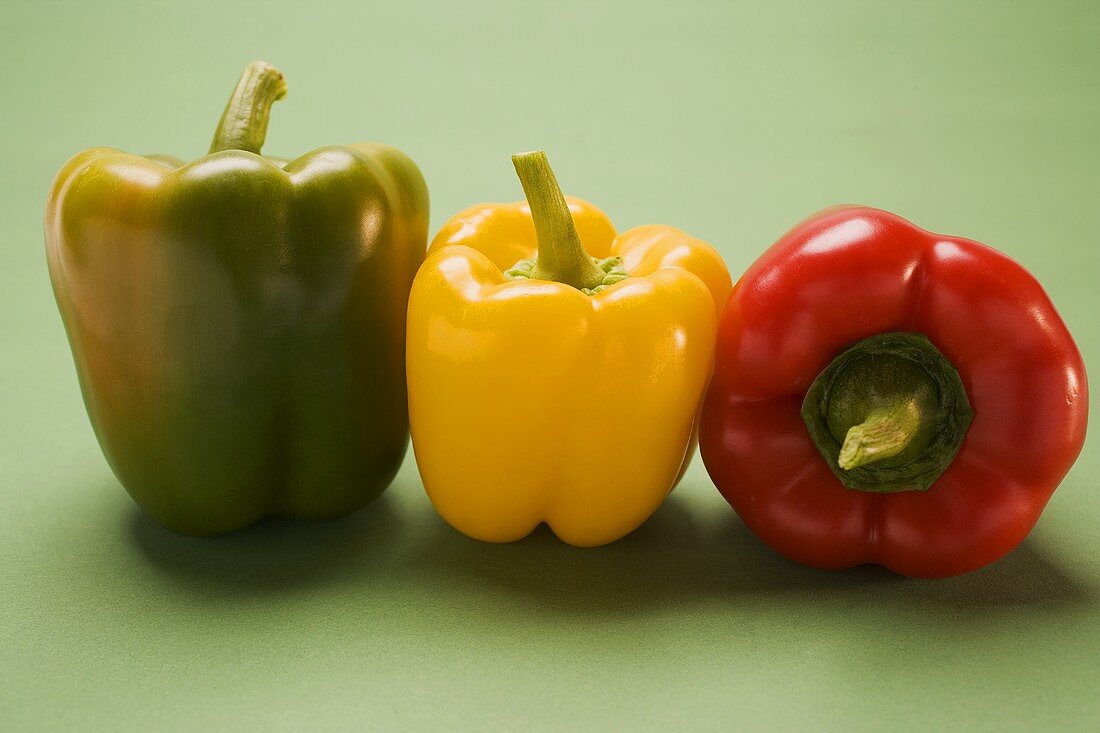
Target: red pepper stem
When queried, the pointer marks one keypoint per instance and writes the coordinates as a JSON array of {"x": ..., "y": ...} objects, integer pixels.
[
  {"x": 561, "y": 256},
  {"x": 884, "y": 434},
  {"x": 243, "y": 125},
  {"x": 888, "y": 413}
]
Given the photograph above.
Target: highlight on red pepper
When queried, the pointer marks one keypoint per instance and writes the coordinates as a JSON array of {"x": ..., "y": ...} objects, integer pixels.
[{"x": 887, "y": 395}]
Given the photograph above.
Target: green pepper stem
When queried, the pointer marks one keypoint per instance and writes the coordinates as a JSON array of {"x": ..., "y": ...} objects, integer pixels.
[
  {"x": 884, "y": 434},
  {"x": 243, "y": 125},
  {"x": 561, "y": 256}
]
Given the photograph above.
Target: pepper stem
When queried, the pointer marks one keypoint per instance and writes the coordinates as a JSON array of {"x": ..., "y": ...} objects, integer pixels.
[
  {"x": 884, "y": 434},
  {"x": 561, "y": 256},
  {"x": 888, "y": 414},
  {"x": 243, "y": 125}
]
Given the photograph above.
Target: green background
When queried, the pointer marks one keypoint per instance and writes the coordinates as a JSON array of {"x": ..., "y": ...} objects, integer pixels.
[{"x": 733, "y": 121}]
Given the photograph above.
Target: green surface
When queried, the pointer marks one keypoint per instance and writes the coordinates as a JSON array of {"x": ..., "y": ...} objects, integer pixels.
[{"x": 732, "y": 121}]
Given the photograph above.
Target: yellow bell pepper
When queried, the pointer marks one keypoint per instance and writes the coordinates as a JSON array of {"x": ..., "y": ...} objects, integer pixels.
[{"x": 561, "y": 389}]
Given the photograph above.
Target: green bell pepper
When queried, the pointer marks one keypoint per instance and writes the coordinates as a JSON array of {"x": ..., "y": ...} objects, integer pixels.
[{"x": 238, "y": 323}]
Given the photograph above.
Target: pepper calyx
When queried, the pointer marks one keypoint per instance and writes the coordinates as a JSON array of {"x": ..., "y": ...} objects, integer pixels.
[
  {"x": 611, "y": 267},
  {"x": 888, "y": 414}
]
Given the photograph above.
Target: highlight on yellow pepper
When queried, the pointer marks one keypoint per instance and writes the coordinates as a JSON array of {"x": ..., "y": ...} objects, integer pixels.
[{"x": 554, "y": 368}]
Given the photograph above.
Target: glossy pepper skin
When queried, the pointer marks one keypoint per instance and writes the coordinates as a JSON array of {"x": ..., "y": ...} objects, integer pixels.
[
  {"x": 531, "y": 401},
  {"x": 238, "y": 324},
  {"x": 850, "y": 273}
]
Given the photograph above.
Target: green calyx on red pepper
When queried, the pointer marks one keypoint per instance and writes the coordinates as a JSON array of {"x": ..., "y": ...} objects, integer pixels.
[
  {"x": 238, "y": 322},
  {"x": 888, "y": 414}
]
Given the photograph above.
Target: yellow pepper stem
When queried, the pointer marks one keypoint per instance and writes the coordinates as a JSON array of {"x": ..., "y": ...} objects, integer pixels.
[
  {"x": 561, "y": 256},
  {"x": 243, "y": 125}
]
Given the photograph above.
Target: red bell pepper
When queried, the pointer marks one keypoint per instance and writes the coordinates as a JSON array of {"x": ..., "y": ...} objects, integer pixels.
[{"x": 883, "y": 394}]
